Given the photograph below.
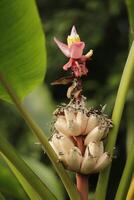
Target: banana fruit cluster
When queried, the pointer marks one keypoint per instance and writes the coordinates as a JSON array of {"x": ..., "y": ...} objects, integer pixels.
[{"x": 75, "y": 121}]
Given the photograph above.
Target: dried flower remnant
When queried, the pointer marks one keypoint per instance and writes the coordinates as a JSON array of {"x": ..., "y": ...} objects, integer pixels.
[{"x": 74, "y": 50}]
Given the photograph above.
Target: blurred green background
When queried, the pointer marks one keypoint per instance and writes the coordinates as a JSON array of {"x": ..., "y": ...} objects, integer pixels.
[{"x": 104, "y": 27}]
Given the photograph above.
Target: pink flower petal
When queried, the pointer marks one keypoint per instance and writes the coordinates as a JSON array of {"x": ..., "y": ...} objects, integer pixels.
[
  {"x": 68, "y": 64},
  {"x": 63, "y": 47},
  {"x": 79, "y": 68},
  {"x": 76, "y": 49},
  {"x": 84, "y": 70}
]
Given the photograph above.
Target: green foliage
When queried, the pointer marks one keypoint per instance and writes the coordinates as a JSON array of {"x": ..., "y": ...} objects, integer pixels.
[
  {"x": 42, "y": 107},
  {"x": 30, "y": 182},
  {"x": 22, "y": 47},
  {"x": 116, "y": 117},
  {"x": 9, "y": 185},
  {"x": 47, "y": 175},
  {"x": 25, "y": 184},
  {"x": 1, "y": 197}
]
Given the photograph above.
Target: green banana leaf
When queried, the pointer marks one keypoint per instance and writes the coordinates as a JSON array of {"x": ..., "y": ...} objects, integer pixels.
[
  {"x": 31, "y": 183},
  {"x": 1, "y": 197},
  {"x": 48, "y": 176},
  {"x": 27, "y": 187},
  {"x": 9, "y": 186},
  {"x": 22, "y": 46},
  {"x": 42, "y": 107}
]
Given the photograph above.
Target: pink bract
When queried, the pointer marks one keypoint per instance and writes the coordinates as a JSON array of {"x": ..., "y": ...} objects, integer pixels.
[
  {"x": 77, "y": 66},
  {"x": 75, "y": 50}
]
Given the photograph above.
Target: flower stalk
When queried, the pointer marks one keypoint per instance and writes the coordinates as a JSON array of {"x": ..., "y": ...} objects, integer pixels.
[
  {"x": 82, "y": 180},
  {"x": 82, "y": 185}
]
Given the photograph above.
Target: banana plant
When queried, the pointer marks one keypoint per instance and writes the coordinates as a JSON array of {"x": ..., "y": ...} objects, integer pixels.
[{"x": 22, "y": 69}]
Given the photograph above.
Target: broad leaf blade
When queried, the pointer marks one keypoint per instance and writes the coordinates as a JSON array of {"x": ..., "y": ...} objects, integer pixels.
[
  {"x": 2, "y": 197},
  {"x": 48, "y": 177},
  {"x": 22, "y": 46},
  {"x": 9, "y": 185},
  {"x": 27, "y": 187},
  {"x": 12, "y": 156}
]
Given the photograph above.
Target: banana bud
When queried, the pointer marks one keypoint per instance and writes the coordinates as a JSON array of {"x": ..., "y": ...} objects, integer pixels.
[
  {"x": 66, "y": 143},
  {"x": 82, "y": 120},
  {"x": 102, "y": 162},
  {"x": 88, "y": 162},
  {"x": 61, "y": 126},
  {"x": 71, "y": 122},
  {"x": 96, "y": 149},
  {"x": 74, "y": 159},
  {"x": 95, "y": 135},
  {"x": 55, "y": 143},
  {"x": 92, "y": 123},
  {"x": 61, "y": 144}
]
